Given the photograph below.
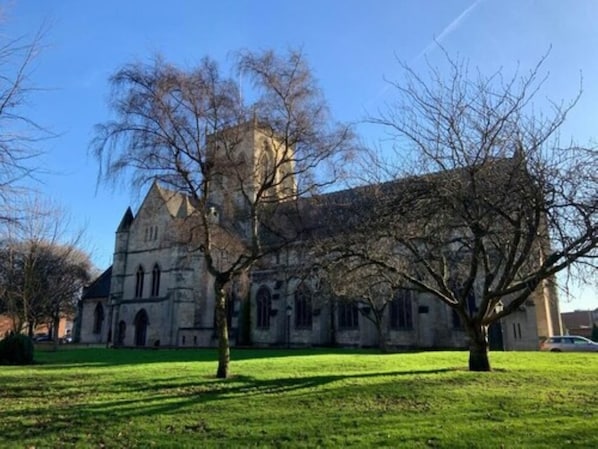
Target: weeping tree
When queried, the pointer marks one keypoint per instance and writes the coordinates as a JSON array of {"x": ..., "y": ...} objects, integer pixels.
[
  {"x": 503, "y": 207},
  {"x": 190, "y": 130}
]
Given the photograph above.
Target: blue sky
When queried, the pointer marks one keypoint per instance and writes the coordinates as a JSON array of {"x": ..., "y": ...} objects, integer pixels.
[{"x": 352, "y": 45}]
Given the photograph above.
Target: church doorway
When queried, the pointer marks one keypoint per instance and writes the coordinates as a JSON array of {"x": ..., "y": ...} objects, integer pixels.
[
  {"x": 122, "y": 332},
  {"x": 495, "y": 339},
  {"x": 141, "y": 322}
]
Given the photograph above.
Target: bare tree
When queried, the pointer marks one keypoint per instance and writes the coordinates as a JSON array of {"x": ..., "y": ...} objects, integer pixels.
[
  {"x": 42, "y": 271},
  {"x": 189, "y": 130},
  {"x": 366, "y": 287},
  {"x": 492, "y": 206},
  {"x": 19, "y": 133},
  {"x": 68, "y": 272}
]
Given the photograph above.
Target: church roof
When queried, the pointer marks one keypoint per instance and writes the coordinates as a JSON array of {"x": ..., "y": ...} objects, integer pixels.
[
  {"x": 354, "y": 208},
  {"x": 178, "y": 204},
  {"x": 126, "y": 221},
  {"x": 185, "y": 208},
  {"x": 100, "y": 287}
]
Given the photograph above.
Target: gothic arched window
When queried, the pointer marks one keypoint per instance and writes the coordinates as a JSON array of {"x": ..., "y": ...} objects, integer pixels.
[
  {"x": 156, "y": 281},
  {"x": 303, "y": 307},
  {"x": 471, "y": 305},
  {"x": 348, "y": 315},
  {"x": 267, "y": 164},
  {"x": 401, "y": 311},
  {"x": 98, "y": 318},
  {"x": 139, "y": 282},
  {"x": 263, "y": 300}
]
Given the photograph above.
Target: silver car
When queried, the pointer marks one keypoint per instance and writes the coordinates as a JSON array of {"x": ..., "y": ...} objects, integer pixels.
[{"x": 568, "y": 343}]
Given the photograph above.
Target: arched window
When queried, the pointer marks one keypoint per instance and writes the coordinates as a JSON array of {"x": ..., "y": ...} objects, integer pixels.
[
  {"x": 139, "y": 282},
  {"x": 98, "y": 318},
  {"x": 263, "y": 300},
  {"x": 267, "y": 164},
  {"x": 156, "y": 281},
  {"x": 471, "y": 306},
  {"x": 303, "y": 307},
  {"x": 121, "y": 333},
  {"x": 348, "y": 315},
  {"x": 401, "y": 311},
  {"x": 141, "y": 323}
]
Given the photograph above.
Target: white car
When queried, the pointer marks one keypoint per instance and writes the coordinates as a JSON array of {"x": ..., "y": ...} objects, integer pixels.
[{"x": 568, "y": 343}]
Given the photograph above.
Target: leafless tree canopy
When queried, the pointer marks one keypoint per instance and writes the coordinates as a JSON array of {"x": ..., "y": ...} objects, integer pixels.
[
  {"x": 19, "y": 133},
  {"x": 42, "y": 271},
  {"x": 491, "y": 203},
  {"x": 186, "y": 129},
  {"x": 295, "y": 111}
]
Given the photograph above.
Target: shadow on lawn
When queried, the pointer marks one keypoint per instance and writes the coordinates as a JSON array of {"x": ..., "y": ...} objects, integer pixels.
[
  {"x": 172, "y": 396},
  {"x": 250, "y": 386},
  {"x": 97, "y": 357}
]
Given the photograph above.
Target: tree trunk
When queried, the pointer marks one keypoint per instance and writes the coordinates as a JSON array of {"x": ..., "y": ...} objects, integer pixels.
[
  {"x": 478, "y": 347},
  {"x": 381, "y": 338},
  {"x": 222, "y": 329},
  {"x": 55, "y": 325}
]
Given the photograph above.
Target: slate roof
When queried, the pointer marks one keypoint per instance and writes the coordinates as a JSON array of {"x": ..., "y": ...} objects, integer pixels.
[
  {"x": 100, "y": 287},
  {"x": 346, "y": 210},
  {"x": 126, "y": 221}
]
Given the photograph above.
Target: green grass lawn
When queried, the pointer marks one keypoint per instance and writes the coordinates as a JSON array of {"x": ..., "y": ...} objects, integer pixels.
[{"x": 309, "y": 398}]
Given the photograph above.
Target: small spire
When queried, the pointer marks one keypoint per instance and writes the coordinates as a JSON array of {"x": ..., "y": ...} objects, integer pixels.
[
  {"x": 126, "y": 221},
  {"x": 519, "y": 153}
]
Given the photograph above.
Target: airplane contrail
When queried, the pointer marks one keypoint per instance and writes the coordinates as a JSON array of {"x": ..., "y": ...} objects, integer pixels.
[{"x": 449, "y": 29}]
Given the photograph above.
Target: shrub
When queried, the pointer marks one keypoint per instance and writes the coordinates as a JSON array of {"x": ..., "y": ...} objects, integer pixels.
[
  {"x": 594, "y": 333},
  {"x": 16, "y": 350}
]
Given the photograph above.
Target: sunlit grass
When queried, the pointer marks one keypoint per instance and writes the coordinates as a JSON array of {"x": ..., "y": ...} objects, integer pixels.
[{"x": 309, "y": 398}]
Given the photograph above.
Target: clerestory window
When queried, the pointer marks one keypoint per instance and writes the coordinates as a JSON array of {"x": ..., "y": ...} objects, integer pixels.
[
  {"x": 139, "y": 282},
  {"x": 156, "y": 281}
]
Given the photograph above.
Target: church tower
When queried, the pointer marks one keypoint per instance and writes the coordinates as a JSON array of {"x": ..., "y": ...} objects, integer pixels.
[{"x": 251, "y": 165}]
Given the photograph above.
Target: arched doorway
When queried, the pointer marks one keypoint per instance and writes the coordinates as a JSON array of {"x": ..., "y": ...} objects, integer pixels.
[
  {"x": 122, "y": 331},
  {"x": 141, "y": 322},
  {"x": 495, "y": 339}
]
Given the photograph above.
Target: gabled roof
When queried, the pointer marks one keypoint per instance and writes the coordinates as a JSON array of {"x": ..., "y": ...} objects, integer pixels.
[
  {"x": 178, "y": 204},
  {"x": 185, "y": 209},
  {"x": 100, "y": 287},
  {"x": 126, "y": 221}
]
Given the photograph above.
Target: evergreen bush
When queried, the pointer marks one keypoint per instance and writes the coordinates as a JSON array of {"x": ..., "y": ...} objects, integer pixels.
[{"x": 16, "y": 350}]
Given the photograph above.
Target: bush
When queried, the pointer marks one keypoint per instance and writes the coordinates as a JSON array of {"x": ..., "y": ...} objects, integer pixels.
[
  {"x": 16, "y": 350},
  {"x": 595, "y": 333}
]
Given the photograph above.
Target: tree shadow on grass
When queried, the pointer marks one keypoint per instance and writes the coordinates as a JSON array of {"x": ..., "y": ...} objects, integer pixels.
[
  {"x": 171, "y": 396},
  {"x": 99, "y": 357}
]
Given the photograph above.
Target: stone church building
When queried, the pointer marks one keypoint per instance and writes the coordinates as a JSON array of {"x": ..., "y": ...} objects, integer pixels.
[{"x": 158, "y": 293}]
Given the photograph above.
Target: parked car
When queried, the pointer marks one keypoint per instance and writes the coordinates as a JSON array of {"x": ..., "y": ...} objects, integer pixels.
[
  {"x": 38, "y": 338},
  {"x": 568, "y": 343}
]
